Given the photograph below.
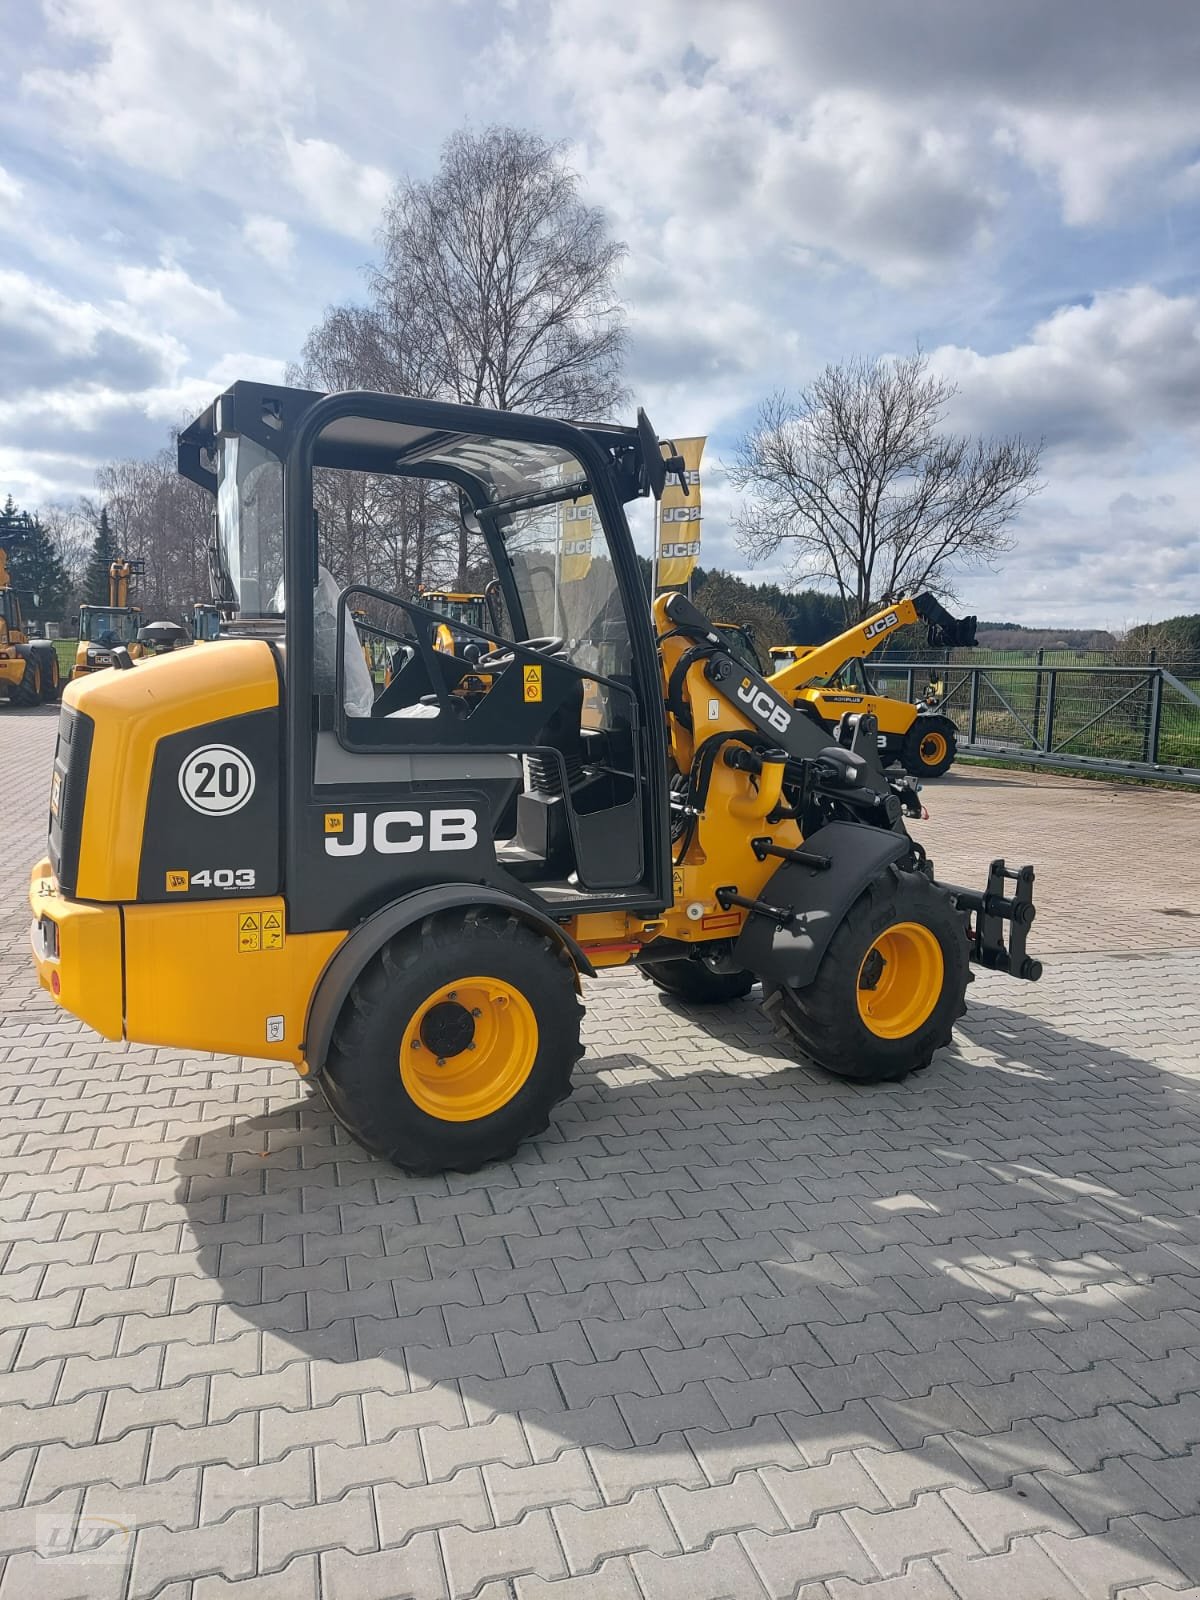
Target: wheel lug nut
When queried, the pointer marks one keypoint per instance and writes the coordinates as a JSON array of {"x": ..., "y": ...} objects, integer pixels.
[
  {"x": 441, "y": 1061},
  {"x": 475, "y": 1011}
]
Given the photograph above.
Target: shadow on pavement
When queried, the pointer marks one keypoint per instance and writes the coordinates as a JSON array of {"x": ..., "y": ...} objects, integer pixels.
[{"x": 698, "y": 1273}]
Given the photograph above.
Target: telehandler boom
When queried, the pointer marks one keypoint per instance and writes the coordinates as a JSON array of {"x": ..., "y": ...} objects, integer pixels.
[{"x": 257, "y": 850}]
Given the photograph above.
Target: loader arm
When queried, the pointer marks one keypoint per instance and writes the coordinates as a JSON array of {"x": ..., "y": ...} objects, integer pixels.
[{"x": 945, "y": 631}]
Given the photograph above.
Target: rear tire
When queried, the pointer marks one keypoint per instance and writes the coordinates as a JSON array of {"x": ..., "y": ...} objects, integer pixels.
[
  {"x": 28, "y": 691},
  {"x": 691, "y": 978},
  {"x": 930, "y": 747},
  {"x": 889, "y": 988},
  {"x": 497, "y": 1000},
  {"x": 50, "y": 681}
]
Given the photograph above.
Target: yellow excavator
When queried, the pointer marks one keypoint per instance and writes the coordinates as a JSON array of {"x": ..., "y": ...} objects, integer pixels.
[
  {"x": 103, "y": 629},
  {"x": 28, "y": 667},
  {"x": 834, "y": 681}
]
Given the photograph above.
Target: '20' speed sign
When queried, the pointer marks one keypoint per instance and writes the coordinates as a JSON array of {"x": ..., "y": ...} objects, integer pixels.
[{"x": 216, "y": 780}]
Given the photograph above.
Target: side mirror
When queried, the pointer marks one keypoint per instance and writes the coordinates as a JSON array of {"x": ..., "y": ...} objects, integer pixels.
[{"x": 468, "y": 516}]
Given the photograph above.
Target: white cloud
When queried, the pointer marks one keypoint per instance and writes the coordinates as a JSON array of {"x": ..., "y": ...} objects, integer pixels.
[
  {"x": 170, "y": 296},
  {"x": 269, "y": 238},
  {"x": 1091, "y": 376},
  {"x": 335, "y": 191},
  {"x": 185, "y": 92},
  {"x": 10, "y": 196}
]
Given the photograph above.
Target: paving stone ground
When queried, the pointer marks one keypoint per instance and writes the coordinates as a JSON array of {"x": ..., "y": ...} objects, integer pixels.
[{"x": 732, "y": 1329}]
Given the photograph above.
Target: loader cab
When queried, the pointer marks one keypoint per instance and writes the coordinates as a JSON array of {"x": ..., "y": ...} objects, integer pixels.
[{"x": 533, "y": 758}]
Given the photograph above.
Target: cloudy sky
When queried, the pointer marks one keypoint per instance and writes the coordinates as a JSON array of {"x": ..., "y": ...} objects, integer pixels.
[{"x": 183, "y": 188}]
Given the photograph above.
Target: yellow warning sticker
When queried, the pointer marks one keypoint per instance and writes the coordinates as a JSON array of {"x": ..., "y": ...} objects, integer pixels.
[
  {"x": 272, "y": 931},
  {"x": 177, "y": 882},
  {"x": 249, "y": 930},
  {"x": 333, "y": 822},
  {"x": 532, "y": 679},
  {"x": 677, "y": 883}
]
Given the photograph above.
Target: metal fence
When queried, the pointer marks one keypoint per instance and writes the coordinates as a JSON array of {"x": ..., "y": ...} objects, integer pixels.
[{"x": 1113, "y": 718}]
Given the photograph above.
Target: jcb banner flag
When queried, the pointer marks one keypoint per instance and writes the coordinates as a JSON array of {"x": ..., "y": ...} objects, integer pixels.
[
  {"x": 575, "y": 530},
  {"x": 679, "y": 518}
]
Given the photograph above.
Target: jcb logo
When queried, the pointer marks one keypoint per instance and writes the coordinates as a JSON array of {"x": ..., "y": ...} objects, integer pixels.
[
  {"x": 764, "y": 704},
  {"x": 881, "y": 626},
  {"x": 681, "y": 514},
  {"x": 577, "y": 514},
  {"x": 401, "y": 833},
  {"x": 577, "y": 547},
  {"x": 670, "y": 552}
]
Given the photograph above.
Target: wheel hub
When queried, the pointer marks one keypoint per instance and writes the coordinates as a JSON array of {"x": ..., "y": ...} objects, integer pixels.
[
  {"x": 447, "y": 1028},
  {"x": 872, "y": 970},
  {"x": 469, "y": 1048}
]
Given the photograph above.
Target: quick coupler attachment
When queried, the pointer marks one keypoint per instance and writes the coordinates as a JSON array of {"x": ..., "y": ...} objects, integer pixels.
[{"x": 990, "y": 911}]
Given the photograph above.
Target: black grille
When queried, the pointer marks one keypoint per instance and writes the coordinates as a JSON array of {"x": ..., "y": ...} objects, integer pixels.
[{"x": 72, "y": 757}]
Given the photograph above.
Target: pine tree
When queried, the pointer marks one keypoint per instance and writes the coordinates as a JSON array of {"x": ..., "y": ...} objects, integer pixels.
[
  {"x": 104, "y": 553},
  {"x": 34, "y": 564}
]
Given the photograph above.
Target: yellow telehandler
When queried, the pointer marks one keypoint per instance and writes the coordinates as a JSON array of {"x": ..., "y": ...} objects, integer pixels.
[
  {"x": 833, "y": 680},
  {"x": 116, "y": 626},
  {"x": 402, "y": 892}
]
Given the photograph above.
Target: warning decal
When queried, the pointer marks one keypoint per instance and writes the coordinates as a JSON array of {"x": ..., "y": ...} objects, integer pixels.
[
  {"x": 532, "y": 680},
  {"x": 259, "y": 930},
  {"x": 677, "y": 883}
]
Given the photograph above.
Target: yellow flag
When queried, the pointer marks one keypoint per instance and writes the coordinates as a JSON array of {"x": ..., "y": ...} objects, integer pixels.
[
  {"x": 575, "y": 529},
  {"x": 679, "y": 518}
]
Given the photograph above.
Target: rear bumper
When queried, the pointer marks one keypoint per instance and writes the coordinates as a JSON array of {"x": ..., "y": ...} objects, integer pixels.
[{"x": 77, "y": 953}]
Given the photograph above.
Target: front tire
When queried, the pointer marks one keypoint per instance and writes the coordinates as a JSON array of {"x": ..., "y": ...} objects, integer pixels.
[
  {"x": 691, "y": 978},
  {"x": 455, "y": 1043},
  {"x": 889, "y": 988},
  {"x": 930, "y": 747}
]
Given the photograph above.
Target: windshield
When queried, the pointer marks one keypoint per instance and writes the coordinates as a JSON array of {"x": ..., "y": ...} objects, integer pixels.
[
  {"x": 568, "y": 588},
  {"x": 469, "y": 611},
  {"x": 99, "y": 625},
  {"x": 250, "y": 526},
  {"x": 739, "y": 644}
]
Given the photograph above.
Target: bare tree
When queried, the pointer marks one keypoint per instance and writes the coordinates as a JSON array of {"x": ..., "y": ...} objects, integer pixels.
[
  {"x": 499, "y": 274},
  {"x": 495, "y": 287},
  {"x": 857, "y": 482},
  {"x": 166, "y": 521}
]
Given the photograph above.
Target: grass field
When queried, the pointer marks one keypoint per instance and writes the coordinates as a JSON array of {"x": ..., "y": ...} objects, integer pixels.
[{"x": 1098, "y": 712}]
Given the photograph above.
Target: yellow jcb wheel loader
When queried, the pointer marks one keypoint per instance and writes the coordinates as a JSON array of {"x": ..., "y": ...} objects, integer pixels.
[
  {"x": 834, "y": 681},
  {"x": 105, "y": 630},
  {"x": 403, "y": 895},
  {"x": 29, "y": 673}
]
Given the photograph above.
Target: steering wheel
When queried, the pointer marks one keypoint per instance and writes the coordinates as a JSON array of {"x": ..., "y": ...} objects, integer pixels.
[{"x": 506, "y": 655}]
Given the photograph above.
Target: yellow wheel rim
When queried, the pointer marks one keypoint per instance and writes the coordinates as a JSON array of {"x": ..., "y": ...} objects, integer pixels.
[
  {"x": 933, "y": 748},
  {"x": 468, "y": 1049},
  {"x": 900, "y": 981}
]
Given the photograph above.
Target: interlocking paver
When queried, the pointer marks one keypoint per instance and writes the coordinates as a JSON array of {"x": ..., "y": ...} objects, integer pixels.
[{"x": 730, "y": 1327}]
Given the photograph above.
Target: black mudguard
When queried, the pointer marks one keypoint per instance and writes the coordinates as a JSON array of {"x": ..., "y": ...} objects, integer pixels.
[
  {"x": 370, "y": 936},
  {"x": 820, "y": 899}
]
